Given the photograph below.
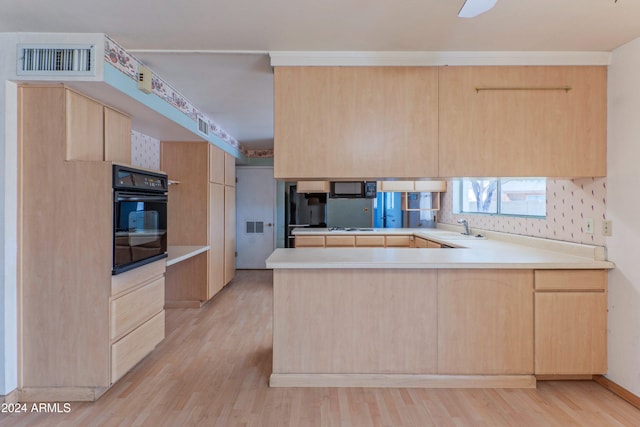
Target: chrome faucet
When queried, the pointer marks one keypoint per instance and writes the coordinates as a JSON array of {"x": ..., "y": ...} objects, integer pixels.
[{"x": 466, "y": 226}]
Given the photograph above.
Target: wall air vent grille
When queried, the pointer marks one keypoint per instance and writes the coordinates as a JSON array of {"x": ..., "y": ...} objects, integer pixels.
[
  {"x": 203, "y": 126},
  {"x": 67, "y": 60}
]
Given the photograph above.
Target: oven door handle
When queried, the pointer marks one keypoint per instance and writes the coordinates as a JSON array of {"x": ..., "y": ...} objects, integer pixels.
[{"x": 134, "y": 197}]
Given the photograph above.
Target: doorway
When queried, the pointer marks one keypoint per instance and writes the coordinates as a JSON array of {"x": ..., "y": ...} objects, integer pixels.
[{"x": 255, "y": 216}]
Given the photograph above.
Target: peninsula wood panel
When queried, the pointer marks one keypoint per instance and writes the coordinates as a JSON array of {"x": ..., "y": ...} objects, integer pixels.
[
  {"x": 117, "y": 136},
  {"x": 64, "y": 276},
  {"x": 552, "y": 133},
  {"x": 187, "y": 207},
  {"x": 84, "y": 127},
  {"x": 355, "y": 122},
  {"x": 485, "y": 322},
  {"x": 571, "y": 333},
  {"x": 354, "y": 321}
]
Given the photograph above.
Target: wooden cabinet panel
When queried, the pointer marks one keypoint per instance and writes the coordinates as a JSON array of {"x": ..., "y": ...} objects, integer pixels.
[
  {"x": 309, "y": 241},
  {"x": 370, "y": 241},
  {"x": 188, "y": 207},
  {"x": 216, "y": 164},
  {"x": 485, "y": 322},
  {"x": 187, "y": 282},
  {"x": 355, "y": 122},
  {"x": 433, "y": 245},
  {"x": 84, "y": 127},
  {"x": 229, "y": 233},
  {"x": 229, "y": 170},
  {"x": 216, "y": 239},
  {"x": 337, "y": 241},
  {"x": 571, "y": 333},
  {"x": 117, "y": 136},
  {"x": 354, "y": 321},
  {"x": 132, "y": 309},
  {"x": 419, "y": 242},
  {"x": 129, "y": 279},
  {"x": 135, "y": 346},
  {"x": 398, "y": 241},
  {"x": 525, "y": 130},
  {"x": 313, "y": 187},
  {"x": 571, "y": 280}
]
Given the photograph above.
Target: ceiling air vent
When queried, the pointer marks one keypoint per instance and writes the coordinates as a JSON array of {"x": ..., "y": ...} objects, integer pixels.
[
  {"x": 66, "y": 60},
  {"x": 203, "y": 126}
]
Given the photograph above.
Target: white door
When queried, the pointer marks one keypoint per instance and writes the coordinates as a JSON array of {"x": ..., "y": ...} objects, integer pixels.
[{"x": 255, "y": 215}]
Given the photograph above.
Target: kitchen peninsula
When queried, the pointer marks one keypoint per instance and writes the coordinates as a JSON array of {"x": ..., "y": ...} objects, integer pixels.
[{"x": 496, "y": 312}]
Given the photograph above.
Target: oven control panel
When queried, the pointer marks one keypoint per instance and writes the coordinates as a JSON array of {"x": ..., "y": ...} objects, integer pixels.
[{"x": 125, "y": 178}]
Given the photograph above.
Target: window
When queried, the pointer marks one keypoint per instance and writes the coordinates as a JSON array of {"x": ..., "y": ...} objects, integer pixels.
[{"x": 506, "y": 196}]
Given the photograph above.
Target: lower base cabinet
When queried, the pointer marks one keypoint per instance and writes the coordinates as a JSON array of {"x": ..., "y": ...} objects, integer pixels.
[{"x": 571, "y": 322}]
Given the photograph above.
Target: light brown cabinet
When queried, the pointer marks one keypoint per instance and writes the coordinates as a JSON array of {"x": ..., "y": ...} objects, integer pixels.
[
  {"x": 117, "y": 136},
  {"x": 485, "y": 321},
  {"x": 94, "y": 131},
  {"x": 313, "y": 187},
  {"x": 570, "y": 322},
  {"x": 72, "y": 310},
  {"x": 339, "y": 241},
  {"x": 201, "y": 211},
  {"x": 522, "y": 121},
  {"x": 355, "y": 122}
]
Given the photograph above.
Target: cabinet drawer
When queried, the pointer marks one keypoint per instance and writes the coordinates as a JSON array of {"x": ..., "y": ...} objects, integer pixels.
[
  {"x": 134, "y": 347},
  {"x": 332, "y": 241},
  {"x": 309, "y": 241},
  {"x": 130, "y": 310},
  {"x": 375, "y": 241},
  {"x": 137, "y": 276},
  {"x": 571, "y": 280},
  {"x": 398, "y": 241}
]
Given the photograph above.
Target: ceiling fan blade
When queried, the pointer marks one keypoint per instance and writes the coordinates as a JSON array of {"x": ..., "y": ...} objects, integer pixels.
[{"x": 473, "y": 8}]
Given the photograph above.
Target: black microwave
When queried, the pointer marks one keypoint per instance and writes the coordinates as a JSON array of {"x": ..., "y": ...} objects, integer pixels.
[{"x": 352, "y": 190}]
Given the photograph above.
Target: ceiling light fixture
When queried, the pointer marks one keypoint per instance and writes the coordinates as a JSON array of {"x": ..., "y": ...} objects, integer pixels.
[{"x": 473, "y": 8}]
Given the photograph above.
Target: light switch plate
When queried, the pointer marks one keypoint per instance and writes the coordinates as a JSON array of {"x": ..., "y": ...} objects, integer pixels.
[
  {"x": 607, "y": 228},
  {"x": 588, "y": 225}
]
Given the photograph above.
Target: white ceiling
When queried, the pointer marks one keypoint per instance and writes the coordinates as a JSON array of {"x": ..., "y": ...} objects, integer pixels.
[{"x": 215, "y": 51}]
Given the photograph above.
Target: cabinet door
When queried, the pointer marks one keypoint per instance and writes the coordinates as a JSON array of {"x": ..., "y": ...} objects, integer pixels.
[
  {"x": 117, "y": 136},
  {"x": 229, "y": 233},
  {"x": 518, "y": 121},
  {"x": 398, "y": 241},
  {"x": 571, "y": 333},
  {"x": 216, "y": 239},
  {"x": 229, "y": 170},
  {"x": 187, "y": 209},
  {"x": 485, "y": 322},
  {"x": 340, "y": 241},
  {"x": 419, "y": 242},
  {"x": 309, "y": 241},
  {"x": 216, "y": 164},
  {"x": 355, "y": 122},
  {"x": 313, "y": 187},
  {"x": 84, "y": 126}
]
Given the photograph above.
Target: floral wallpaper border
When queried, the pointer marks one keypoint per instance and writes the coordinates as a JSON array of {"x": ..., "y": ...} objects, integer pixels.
[{"x": 128, "y": 64}]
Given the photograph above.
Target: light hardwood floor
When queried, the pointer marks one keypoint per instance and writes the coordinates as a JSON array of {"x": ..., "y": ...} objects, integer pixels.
[{"x": 213, "y": 368}]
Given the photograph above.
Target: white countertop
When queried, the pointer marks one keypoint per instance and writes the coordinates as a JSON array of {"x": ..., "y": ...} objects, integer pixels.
[
  {"x": 175, "y": 254},
  {"x": 497, "y": 250}
]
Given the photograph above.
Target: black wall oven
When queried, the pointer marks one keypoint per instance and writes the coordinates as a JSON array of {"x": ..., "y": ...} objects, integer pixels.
[{"x": 139, "y": 218}]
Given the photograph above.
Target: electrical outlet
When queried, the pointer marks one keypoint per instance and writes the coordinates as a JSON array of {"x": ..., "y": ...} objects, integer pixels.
[
  {"x": 588, "y": 225},
  {"x": 607, "y": 227}
]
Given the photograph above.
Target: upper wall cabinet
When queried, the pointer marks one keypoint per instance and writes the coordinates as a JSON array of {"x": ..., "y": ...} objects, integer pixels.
[
  {"x": 117, "y": 136},
  {"x": 355, "y": 122},
  {"x": 522, "y": 121}
]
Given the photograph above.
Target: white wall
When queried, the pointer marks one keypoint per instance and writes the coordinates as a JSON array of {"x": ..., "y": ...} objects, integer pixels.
[
  {"x": 8, "y": 218},
  {"x": 623, "y": 207}
]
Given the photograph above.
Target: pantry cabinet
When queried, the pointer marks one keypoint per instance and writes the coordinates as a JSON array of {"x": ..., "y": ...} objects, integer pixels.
[
  {"x": 547, "y": 121},
  {"x": 355, "y": 122},
  {"x": 570, "y": 322},
  {"x": 201, "y": 211}
]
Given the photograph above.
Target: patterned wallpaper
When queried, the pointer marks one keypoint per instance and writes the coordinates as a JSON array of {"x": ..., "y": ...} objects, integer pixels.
[
  {"x": 568, "y": 203},
  {"x": 145, "y": 151}
]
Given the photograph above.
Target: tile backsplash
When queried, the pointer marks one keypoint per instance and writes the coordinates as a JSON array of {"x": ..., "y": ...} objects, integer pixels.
[
  {"x": 145, "y": 151},
  {"x": 568, "y": 204}
]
